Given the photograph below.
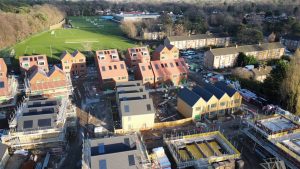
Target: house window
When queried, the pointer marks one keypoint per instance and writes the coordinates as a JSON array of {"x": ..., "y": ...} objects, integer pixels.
[
  {"x": 198, "y": 108},
  {"x": 213, "y": 106},
  {"x": 103, "y": 68},
  {"x": 124, "y": 77},
  {"x": 122, "y": 66},
  {"x": 44, "y": 122},
  {"x": 27, "y": 124},
  {"x": 102, "y": 164},
  {"x": 162, "y": 65},
  {"x": 41, "y": 63},
  {"x": 143, "y": 68},
  {"x": 66, "y": 67},
  {"x": 177, "y": 64},
  {"x": 172, "y": 65},
  {"x": 115, "y": 66},
  {"x": 236, "y": 101},
  {"x": 82, "y": 66},
  {"x": 126, "y": 108},
  {"x": 223, "y": 103},
  {"x": 156, "y": 66},
  {"x": 110, "y": 68},
  {"x": 81, "y": 60},
  {"x": 1, "y": 84},
  {"x": 131, "y": 161},
  {"x": 148, "y": 107}
]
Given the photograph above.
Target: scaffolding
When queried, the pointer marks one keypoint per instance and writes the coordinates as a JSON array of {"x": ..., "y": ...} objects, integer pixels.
[
  {"x": 40, "y": 137},
  {"x": 11, "y": 94},
  {"x": 44, "y": 90},
  {"x": 276, "y": 140},
  {"x": 200, "y": 150}
]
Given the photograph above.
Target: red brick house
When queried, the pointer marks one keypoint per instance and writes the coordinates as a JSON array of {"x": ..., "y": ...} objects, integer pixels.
[
  {"x": 29, "y": 62},
  {"x": 137, "y": 55},
  {"x": 110, "y": 68},
  {"x": 73, "y": 64},
  {"x": 50, "y": 84}
]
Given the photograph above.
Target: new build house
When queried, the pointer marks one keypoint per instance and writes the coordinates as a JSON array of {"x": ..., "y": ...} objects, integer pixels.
[
  {"x": 197, "y": 41},
  {"x": 226, "y": 57},
  {"x": 137, "y": 55},
  {"x": 110, "y": 68},
  {"x": 34, "y": 61},
  {"x": 145, "y": 73},
  {"x": 38, "y": 123},
  {"x": 50, "y": 84},
  {"x": 166, "y": 67},
  {"x": 73, "y": 64},
  {"x": 208, "y": 100},
  {"x": 136, "y": 109},
  {"x": 115, "y": 152}
]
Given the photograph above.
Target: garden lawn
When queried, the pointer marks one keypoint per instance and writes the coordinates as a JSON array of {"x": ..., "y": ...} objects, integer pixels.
[{"x": 88, "y": 33}]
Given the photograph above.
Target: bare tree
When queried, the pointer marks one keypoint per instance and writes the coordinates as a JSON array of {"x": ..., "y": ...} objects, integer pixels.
[{"x": 129, "y": 28}]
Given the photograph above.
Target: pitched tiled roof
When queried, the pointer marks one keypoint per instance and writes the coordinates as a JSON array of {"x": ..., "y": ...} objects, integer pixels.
[
  {"x": 77, "y": 54},
  {"x": 161, "y": 47},
  {"x": 192, "y": 37},
  {"x": 188, "y": 96},
  {"x": 203, "y": 93},
  {"x": 291, "y": 37},
  {"x": 223, "y": 86},
  {"x": 35, "y": 71},
  {"x": 65, "y": 54},
  {"x": 214, "y": 90},
  {"x": 246, "y": 48}
]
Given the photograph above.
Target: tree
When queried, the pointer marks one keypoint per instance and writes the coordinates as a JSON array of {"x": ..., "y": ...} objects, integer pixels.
[
  {"x": 243, "y": 60},
  {"x": 290, "y": 88},
  {"x": 129, "y": 28},
  {"x": 274, "y": 80},
  {"x": 179, "y": 29},
  {"x": 249, "y": 35}
]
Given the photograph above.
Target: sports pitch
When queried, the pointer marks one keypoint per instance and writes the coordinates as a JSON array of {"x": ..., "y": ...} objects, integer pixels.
[{"x": 88, "y": 33}]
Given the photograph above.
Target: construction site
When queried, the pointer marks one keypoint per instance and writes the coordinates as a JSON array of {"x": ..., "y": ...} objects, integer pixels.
[
  {"x": 203, "y": 150},
  {"x": 9, "y": 100},
  {"x": 41, "y": 124},
  {"x": 115, "y": 152},
  {"x": 276, "y": 136}
]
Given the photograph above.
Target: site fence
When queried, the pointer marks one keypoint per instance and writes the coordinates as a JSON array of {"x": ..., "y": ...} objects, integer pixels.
[
  {"x": 160, "y": 125},
  {"x": 172, "y": 123}
]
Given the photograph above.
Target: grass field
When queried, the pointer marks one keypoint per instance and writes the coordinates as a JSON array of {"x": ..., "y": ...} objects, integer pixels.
[{"x": 84, "y": 36}]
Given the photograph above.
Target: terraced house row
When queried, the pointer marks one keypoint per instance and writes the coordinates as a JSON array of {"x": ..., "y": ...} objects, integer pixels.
[
  {"x": 208, "y": 100},
  {"x": 226, "y": 57},
  {"x": 165, "y": 67}
]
